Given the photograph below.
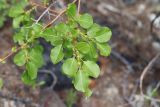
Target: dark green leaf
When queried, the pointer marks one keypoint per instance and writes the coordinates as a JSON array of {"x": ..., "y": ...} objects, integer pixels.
[{"x": 68, "y": 53}]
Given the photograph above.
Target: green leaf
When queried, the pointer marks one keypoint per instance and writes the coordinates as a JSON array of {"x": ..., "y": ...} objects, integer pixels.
[
  {"x": 93, "y": 30},
  {"x": 85, "y": 21},
  {"x": 20, "y": 58},
  {"x": 92, "y": 54},
  {"x": 103, "y": 35},
  {"x": 38, "y": 48},
  {"x": 81, "y": 81},
  {"x": 91, "y": 68},
  {"x": 88, "y": 92},
  {"x": 70, "y": 67},
  {"x": 72, "y": 24},
  {"x": 50, "y": 35},
  {"x": 57, "y": 54},
  {"x": 2, "y": 19},
  {"x": 71, "y": 10},
  {"x": 36, "y": 56},
  {"x": 3, "y": 4},
  {"x": 83, "y": 47},
  {"x": 62, "y": 28},
  {"x": 26, "y": 79},
  {"x": 104, "y": 48},
  {"x": 68, "y": 53},
  {"x": 16, "y": 10},
  {"x": 36, "y": 30},
  {"x": 32, "y": 70},
  {"x": 74, "y": 33},
  {"x": 18, "y": 38},
  {"x": 17, "y": 21},
  {"x": 1, "y": 83},
  {"x": 68, "y": 44}
]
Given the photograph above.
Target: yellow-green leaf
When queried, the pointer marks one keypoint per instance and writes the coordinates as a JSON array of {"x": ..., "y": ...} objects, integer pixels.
[
  {"x": 85, "y": 21},
  {"x": 91, "y": 68},
  {"x": 70, "y": 67},
  {"x": 104, "y": 49}
]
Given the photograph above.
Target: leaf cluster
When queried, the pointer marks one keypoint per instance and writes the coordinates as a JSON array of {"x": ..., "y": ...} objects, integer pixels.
[
  {"x": 10, "y": 8},
  {"x": 77, "y": 43}
]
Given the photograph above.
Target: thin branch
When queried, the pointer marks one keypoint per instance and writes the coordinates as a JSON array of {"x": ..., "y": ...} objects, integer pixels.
[
  {"x": 11, "y": 53},
  {"x": 145, "y": 72},
  {"x": 47, "y": 9},
  {"x": 61, "y": 13},
  {"x": 55, "y": 19},
  {"x": 42, "y": 6},
  {"x": 79, "y": 6}
]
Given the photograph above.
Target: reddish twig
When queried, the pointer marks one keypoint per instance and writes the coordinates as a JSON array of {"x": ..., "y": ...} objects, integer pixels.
[
  {"x": 61, "y": 13},
  {"x": 42, "y": 6},
  {"x": 11, "y": 53}
]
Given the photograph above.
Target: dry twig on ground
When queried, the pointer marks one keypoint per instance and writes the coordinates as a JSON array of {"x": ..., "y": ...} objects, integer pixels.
[{"x": 143, "y": 75}]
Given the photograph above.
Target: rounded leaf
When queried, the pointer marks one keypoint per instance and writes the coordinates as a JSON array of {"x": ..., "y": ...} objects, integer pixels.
[
  {"x": 57, "y": 54},
  {"x": 32, "y": 70},
  {"x": 62, "y": 28},
  {"x": 83, "y": 47},
  {"x": 70, "y": 67},
  {"x": 103, "y": 35},
  {"x": 104, "y": 49},
  {"x": 93, "y": 30},
  {"x": 20, "y": 58},
  {"x": 85, "y": 21},
  {"x": 36, "y": 56},
  {"x": 81, "y": 81},
  {"x": 26, "y": 79},
  {"x": 71, "y": 10},
  {"x": 91, "y": 68}
]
